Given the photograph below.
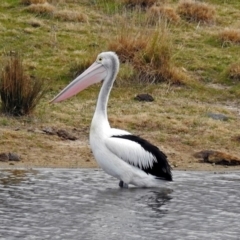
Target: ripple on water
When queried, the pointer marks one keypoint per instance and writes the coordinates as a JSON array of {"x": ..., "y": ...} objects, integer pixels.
[{"x": 87, "y": 204}]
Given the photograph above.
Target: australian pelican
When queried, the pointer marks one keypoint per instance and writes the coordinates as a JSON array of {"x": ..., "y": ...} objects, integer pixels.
[{"x": 124, "y": 156}]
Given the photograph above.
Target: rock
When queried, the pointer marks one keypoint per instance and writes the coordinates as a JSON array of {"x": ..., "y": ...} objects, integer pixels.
[
  {"x": 60, "y": 132},
  {"x": 65, "y": 135},
  {"x": 218, "y": 116},
  {"x": 4, "y": 157},
  {"x": 49, "y": 130},
  {"x": 217, "y": 157},
  {"x": 144, "y": 97},
  {"x": 14, "y": 157}
]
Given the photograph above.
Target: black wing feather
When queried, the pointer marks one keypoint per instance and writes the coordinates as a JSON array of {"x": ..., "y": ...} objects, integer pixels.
[{"x": 161, "y": 168}]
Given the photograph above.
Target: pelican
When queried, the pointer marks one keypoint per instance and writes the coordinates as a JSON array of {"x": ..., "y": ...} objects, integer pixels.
[{"x": 129, "y": 158}]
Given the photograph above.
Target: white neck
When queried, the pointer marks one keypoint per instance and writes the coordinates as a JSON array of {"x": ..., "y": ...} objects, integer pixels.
[
  {"x": 100, "y": 115},
  {"x": 100, "y": 118}
]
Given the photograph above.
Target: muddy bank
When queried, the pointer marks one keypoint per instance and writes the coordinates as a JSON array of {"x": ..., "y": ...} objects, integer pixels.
[{"x": 51, "y": 148}]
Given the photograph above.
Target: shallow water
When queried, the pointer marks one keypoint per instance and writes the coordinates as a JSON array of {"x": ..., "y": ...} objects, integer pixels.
[{"x": 88, "y": 204}]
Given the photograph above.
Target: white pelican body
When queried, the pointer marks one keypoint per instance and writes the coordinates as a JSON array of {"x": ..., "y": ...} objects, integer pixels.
[{"x": 122, "y": 155}]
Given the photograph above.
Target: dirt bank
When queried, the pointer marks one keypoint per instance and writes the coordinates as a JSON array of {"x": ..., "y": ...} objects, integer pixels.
[{"x": 39, "y": 149}]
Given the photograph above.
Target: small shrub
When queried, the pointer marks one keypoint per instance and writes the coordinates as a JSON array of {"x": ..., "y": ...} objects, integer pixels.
[
  {"x": 150, "y": 56},
  {"x": 154, "y": 63},
  {"x": 41, "y": 9},
  {"x": 19, "y": 93},
  {"x": 230, "y": 36},
  {"x": 67, "y": 15},
  {"x": 127, "y": 46},
  {"x": 155, "y": 13},
  {"x": 234, "y": 72},
  {"x": 196, "y": 11}
]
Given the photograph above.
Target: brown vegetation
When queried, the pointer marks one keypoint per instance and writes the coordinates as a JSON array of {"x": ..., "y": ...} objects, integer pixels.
[
  {"x": 154, "y": 64},
  {"x": 45, "y": 8},
  {"x": 42, "y": 9},
  {"x": 127, "y": 46},
  {"x": 156, "y": 13},
  {"x": 151, "y": 57},
  {"x": 19, "y": 93},
  {"x": 230, "y": 36},
  {"x": 234, "y": 72},
  {"x": 68, "y": 15},
  {"x": 196, "y": 11}
]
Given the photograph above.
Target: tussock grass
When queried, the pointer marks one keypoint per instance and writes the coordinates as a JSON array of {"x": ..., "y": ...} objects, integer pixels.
[
  {"x": 63, "y": 15},
  {"x": 68, "y": 15},
  {"x": 233, "y": 72},
  {"x": 127, "y": 45},
  {"x": 151, "y": 56},
  {"x": 41, "y": 9},
  {"x": 158, "y": 13},
  {"x": 230, "y": 36},
  {"x": 196, "y": 11},
  {"x": 153, "y": 63},
  {"x": 19, "y": 93}
]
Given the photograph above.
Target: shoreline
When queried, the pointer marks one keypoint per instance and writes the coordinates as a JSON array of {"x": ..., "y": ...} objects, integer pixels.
[
  {"x": 199, "y": 167},
  {"x": 36, "y": 149}
]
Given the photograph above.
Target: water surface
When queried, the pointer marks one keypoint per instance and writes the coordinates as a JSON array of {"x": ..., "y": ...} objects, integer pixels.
[{"x": 88, "y": 204}]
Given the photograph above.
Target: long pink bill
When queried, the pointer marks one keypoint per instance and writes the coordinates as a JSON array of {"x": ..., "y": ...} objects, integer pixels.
[{"x": 95, "y": 73}]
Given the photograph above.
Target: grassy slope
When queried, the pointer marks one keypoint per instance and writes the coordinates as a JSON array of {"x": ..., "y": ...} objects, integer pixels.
[{"x": 177, "y": 121}]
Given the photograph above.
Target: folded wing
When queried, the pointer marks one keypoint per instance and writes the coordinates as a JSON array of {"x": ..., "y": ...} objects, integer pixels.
[{"x": 140, "y": 153}]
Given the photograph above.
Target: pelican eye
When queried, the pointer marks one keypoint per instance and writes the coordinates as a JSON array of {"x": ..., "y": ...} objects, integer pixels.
[{"x": 100, "y": 59}]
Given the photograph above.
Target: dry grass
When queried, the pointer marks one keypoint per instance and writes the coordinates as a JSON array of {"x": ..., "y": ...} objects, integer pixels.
[
  {"x": 64, "y": 15},
  {"x": 41, "y": 9},
  {"x": 156, "y": 13},
  {"x": 126, "y": 46},
  {"x": 68, "y": 15},
  {"x": 29, "y": 2},
  {"x": 78, "y": 67},
  {"x": 35, "y": 22},
  {"x": 19, "y": 93},
  {"x": 150, "y": 55},
  {"x": 196, "y": 11},
  {"x": 154, "y": 63},
  {"x": 234, "y": 72},
  {"x": 230, "y": 36}
]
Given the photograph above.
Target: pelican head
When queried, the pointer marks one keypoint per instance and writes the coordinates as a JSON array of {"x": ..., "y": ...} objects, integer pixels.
[{"x": 105, "y": 67}]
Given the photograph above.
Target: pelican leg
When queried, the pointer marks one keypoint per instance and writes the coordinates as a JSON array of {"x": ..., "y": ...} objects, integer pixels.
[{"x": 123, "y": 184}]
